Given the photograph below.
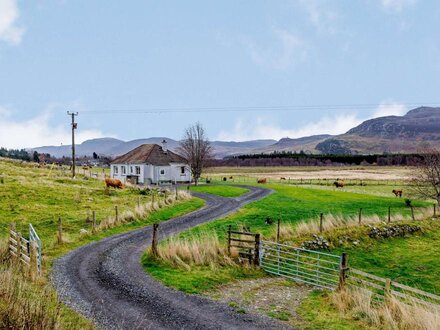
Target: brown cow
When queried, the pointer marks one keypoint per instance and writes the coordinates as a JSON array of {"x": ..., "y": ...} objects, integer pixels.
[
  {"x": 114, "y": 183},
  {"x": 339, "y": 184},
  {"x": 397, "y": 192},
  {"x": 264, "y": 180},
  {"x": 282, "y": 178}
]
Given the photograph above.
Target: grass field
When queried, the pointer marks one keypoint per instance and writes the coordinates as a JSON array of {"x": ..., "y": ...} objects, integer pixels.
[
  {"x": 408, "y": 260},
  {"x": 220, "y": 190}
]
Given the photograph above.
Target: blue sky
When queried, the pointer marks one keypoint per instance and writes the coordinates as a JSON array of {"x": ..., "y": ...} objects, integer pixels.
[{"x": 374, "y": 57}]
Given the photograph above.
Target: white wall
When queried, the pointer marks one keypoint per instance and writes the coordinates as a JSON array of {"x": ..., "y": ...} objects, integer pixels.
[{"x": 152, "y": 174}]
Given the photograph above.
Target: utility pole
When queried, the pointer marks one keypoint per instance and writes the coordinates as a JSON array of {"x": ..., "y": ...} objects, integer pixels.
[{"x": 74, "y": 127}]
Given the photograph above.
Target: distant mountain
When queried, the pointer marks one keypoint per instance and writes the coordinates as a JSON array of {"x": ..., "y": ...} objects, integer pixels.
[
  {"x": 114, "y": 147},
  {"x": 417, "y": 130},
  {"x": 307, "y": 144}
]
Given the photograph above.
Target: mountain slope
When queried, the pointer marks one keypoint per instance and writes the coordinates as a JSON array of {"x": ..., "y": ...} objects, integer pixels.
[{"x": 417, "y": 130}]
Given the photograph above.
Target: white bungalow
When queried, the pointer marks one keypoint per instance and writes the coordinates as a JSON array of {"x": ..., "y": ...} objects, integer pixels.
[{"x": 150, "y": 164}]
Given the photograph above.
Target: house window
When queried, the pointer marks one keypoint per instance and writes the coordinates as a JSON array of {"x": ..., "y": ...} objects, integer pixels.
[
  {"x": 123, "y": 170},
  {"x": 115, "y": 169},
  {"x": 138, "y": 170},
  {"x": 182, "y": 170},
  {"x": 162, "y": 171},
  {"x": 131, "y": 169}
]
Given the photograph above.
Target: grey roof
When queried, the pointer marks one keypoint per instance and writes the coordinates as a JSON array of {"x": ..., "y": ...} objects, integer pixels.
[{"x": 149, "y": 154}]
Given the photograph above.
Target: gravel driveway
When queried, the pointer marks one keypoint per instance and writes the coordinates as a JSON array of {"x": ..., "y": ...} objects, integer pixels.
[{"x": 105, "y": 281}]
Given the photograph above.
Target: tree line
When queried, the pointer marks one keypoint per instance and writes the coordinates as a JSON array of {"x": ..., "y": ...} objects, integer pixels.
[{"x": 303, "y": 159}]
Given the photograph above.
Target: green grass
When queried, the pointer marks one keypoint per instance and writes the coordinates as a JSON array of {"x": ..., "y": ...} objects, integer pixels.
[
  {"x": 40, "y": 196},
  {"x": 412, "y": 260},
  {"x": 220, "y": 190},
  {"x": 197, "y": 280},
  {"x": 318, "y": 313},
  {"x": 292, "y": 204}
]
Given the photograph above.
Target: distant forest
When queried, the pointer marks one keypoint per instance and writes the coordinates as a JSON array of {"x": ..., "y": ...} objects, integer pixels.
[{"x": 303, "y": 159}]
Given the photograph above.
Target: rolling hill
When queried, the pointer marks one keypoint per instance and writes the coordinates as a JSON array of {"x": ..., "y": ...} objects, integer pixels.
[{"x": 417, "y": 130}]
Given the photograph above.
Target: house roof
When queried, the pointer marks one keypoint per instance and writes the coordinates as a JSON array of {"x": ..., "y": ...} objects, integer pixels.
[{"x": 149, "y": 154}]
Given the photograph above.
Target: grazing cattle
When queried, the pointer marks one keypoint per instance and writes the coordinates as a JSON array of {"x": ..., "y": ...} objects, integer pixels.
[
  {"x": 231, "y": 177},
  {"x": 114, "y": 183},
  {"x": 269, "y": 221},
  {"x": 397, "y": 192},
  {"x": 208, "y": 181},
  {"x": 264, "y": 180},
  {"x": 339, "y": 184},
  {"x": 282, "y": 178},
  {"x": 225, "y": 178}
]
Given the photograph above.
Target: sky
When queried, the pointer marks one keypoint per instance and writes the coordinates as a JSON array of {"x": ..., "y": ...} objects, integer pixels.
[{"x": 244, "y": 69}]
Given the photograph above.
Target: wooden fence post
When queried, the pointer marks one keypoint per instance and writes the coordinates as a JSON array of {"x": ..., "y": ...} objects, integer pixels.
[
  {"x": 154, "y": 240},
  {"x": 116, "y": 214},
  {"x": 343, "y": 271},
  {"x": 387, "y": 289},
  {"x": 278, "y": 231},
  {"x": 60, "y": 231},
  {"x": 389, "y": 214},
  {"x": 360, "y": 216},
  {"x": 229, "y": 239},
  {"x": 12, "y": 237},
  {"x": 435, "y": 211},
  {"x": 257, "y": 250},
  {"x": 321, "y": 217},
  {"x": 177, "y": 194},
  {"x": 33, "y": 260},
  {"x": 19, "y": 248},
  {"x": 139, "y": 201},
  {"x": 93, "y": 222},
  {"x": 412, "y": 213}
]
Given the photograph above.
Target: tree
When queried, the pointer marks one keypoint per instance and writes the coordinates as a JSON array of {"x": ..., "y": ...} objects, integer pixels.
[
  {"x": 36, "y": 157},
  {"x": 95, "y": 155},
  {"x": 196, "y": 149},
  {"x": 426, "y": 179}
]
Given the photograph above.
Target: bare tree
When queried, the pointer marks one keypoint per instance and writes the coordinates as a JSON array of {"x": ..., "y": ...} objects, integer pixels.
[
  {"x": 426, "y": 179},
  {"x": 195, "y": 147}
]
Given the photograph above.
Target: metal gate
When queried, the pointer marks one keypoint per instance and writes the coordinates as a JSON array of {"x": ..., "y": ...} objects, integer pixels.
[{"x": 315, "y": 268}]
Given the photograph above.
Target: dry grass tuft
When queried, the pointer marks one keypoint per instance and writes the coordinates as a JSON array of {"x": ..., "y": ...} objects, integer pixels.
[
  {"x": 390, "y": 314},
  {"x": 332, "y": 222},
  {"x": 142, "y": 211},
  {"x": 204, "y": 250}
]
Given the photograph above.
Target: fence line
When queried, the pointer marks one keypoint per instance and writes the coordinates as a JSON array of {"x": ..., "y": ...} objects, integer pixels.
[
  {"x": 329, "y": 271},
  {"x": 26, "y": 251}
]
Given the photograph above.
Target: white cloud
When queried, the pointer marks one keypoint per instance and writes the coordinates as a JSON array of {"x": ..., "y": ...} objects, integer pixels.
[
  {"x": 38, "y": 131},
  {"x": 397, "y": 5},
  {"x": 9, "y": 14},
  {"x": 263, "y": 128},
  {"x": 390, "y": 108},
  {"x": 320, "y": 15},
  {"x": 285, "y": 50}
]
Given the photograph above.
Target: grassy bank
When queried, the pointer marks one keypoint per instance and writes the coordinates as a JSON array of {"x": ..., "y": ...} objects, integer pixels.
[{"x": 220, "y": 190}]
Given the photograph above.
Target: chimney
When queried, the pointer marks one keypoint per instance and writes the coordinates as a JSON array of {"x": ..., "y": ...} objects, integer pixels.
[{"x": 164, "y": 146}]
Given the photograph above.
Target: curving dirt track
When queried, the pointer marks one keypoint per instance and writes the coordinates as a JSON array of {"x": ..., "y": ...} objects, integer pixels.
[{"x": 105, "y": 281}]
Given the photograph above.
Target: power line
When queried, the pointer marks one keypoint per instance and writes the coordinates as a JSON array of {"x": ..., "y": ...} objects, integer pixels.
[{"x": 255, "y": 108}]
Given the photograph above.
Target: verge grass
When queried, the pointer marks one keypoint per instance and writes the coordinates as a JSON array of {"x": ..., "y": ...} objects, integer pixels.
[{"x": 220, "y": 190}]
